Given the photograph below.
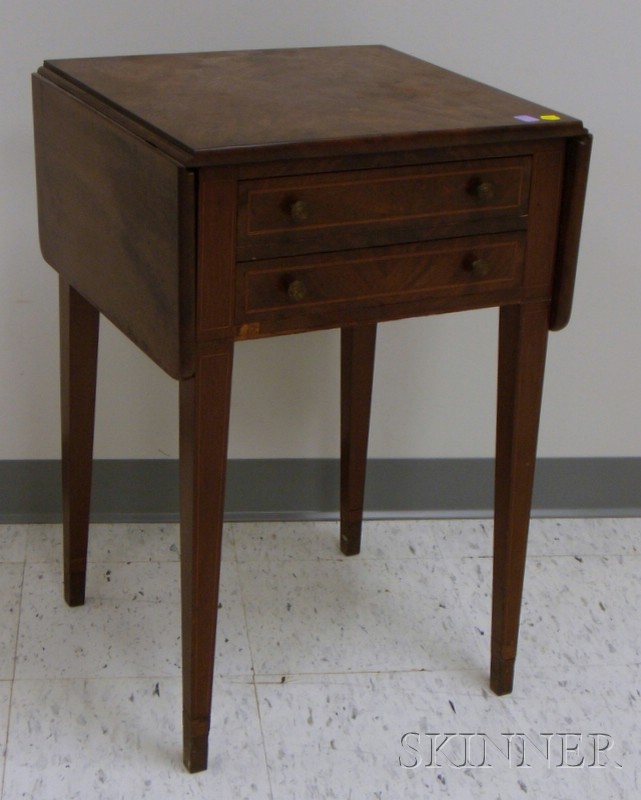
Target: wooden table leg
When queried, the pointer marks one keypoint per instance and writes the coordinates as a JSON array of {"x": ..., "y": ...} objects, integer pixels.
[
  {"x": 79, "y": 325},
  {"x": 358, "y": 346},
  {"x": 204, "y": 423},
  {"x": 523, "y": 334}
]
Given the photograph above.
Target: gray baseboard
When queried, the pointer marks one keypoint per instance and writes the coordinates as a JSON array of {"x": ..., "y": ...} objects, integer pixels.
[{"x": 147, "y": 490}]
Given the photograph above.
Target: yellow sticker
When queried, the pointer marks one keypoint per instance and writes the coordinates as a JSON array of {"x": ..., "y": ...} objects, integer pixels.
[{"x": 550, "y": 116}]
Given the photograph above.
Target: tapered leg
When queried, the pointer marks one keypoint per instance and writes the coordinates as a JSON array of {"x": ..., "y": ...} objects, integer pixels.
[
  {"x": 357, "y": 371},
  {"x": 522, "y": 345},
  {"x": 204, "y": 422},
  {"x": 79, "y": 324}
]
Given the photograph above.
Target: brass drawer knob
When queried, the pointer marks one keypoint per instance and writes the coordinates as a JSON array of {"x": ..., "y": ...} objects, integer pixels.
[
  {"x": 296, "y": 291},
  {"x": 479, "y": 267},
  {"x": 299, "y": 211},
  {"x": 484, "y": 191}
]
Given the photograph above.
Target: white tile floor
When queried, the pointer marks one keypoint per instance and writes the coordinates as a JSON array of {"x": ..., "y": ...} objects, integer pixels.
[{"x": 323, "y": 664}]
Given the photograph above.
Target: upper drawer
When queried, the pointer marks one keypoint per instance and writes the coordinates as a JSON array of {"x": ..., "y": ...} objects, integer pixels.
[{"x": 334, "y": 211}]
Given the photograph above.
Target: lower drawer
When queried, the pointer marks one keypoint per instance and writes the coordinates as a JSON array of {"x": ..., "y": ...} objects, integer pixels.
[{"x": 277, "y": 288}]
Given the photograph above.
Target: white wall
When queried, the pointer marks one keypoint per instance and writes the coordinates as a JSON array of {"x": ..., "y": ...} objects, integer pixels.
[{"x": 434, "y": 388}]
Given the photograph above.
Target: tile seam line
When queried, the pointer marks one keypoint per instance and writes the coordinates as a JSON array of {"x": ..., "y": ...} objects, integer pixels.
[
  {"x": 408, "y": 671},
  {"x": 237, "y": 567},
  {"x": 13, "y": 679}
]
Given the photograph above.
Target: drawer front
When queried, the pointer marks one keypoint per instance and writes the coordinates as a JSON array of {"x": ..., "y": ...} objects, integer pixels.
[
  {"x": 331, "y": 211},
  {"x": 291, "y": 287}
]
